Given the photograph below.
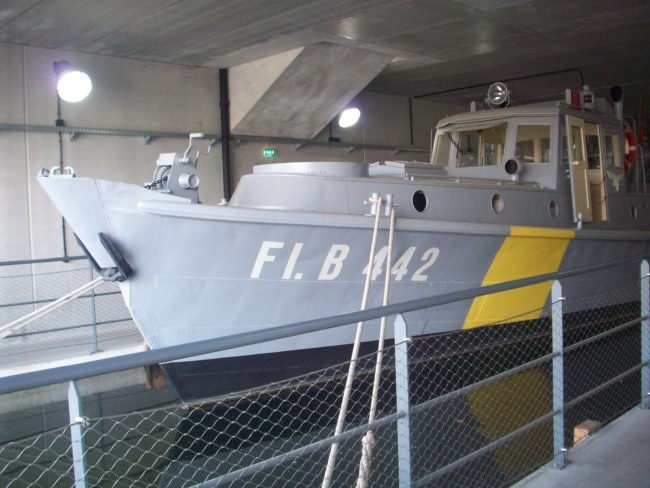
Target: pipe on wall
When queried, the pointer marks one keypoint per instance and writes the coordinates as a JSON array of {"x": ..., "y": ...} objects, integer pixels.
[
  {"x": 224, "y": 105},
  {"x": 59, "y": 123},
  {"x": 149, "y": 135}
]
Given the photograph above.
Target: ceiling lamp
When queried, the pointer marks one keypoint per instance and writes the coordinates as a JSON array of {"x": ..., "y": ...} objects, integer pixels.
[
  {"x": 72, "y": 85},
  {"x": 349, "y": 117}
]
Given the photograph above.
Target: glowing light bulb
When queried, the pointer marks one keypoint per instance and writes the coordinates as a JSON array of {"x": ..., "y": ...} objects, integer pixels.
[
  {"x": 349, "y": 117},
  {"x": 74, "y": 86}
]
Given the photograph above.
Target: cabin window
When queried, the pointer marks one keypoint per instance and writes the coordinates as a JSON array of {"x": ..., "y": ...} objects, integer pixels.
[
  {"x": 479, "y": 146},
  {"x": 612, "y": 151},
  {"x": 443, "y": 146},
  {"x": 533, "y": 144},
  {"x": 576, "y": 147},
  {"x": 595, "y": 172},
  {"x": 593, "y": 146}
]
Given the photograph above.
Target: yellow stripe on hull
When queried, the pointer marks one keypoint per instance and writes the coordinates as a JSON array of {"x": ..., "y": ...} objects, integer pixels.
[
  {"x": 505, "y": 406},
  {"x": 526, "y": 252}
]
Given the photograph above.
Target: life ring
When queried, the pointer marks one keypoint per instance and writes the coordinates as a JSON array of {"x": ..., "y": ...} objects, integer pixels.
[{"x": 630, "y": 148}]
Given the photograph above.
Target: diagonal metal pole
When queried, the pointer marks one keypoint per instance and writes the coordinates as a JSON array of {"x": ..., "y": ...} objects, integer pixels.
[{"x": 10, "y": 328}]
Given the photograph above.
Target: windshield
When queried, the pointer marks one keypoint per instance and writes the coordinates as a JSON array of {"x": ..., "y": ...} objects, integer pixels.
[
  {"x": 475, "y": 146},
  {"x": 533, "y": 143}
]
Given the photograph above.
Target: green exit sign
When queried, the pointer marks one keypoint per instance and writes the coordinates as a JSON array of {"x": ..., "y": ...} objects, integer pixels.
[{"x": 269, "y": 152}]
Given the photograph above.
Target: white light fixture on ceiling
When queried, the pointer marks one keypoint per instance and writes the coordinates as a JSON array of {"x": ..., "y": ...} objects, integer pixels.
[
  {"x": 349, "y": 117},
  {"x": 72, "y": 85}
]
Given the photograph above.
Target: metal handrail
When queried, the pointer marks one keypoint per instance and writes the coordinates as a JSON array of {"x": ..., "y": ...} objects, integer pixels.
[
  {"x": 357, "y": 431},
  {"x": 42, "y": 260},
  {"x": 172, "y": 353},
  {"x": 67, "y": 328},
  {"x": 48, "y": 300}
]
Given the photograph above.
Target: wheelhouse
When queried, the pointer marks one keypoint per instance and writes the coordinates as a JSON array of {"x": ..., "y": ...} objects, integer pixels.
[{"x": 550, "y": 146}]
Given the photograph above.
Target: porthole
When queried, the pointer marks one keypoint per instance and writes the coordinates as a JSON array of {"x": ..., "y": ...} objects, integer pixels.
[
  {"x": 420, "y": 201},
  {"x": 634, "y": 212},
  {"x": 553, "y": 209},
  {"x": 497, "y": 203}
]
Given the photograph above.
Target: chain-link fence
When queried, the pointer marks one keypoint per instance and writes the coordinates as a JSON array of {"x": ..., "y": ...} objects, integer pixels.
[
  {"x": 96, "y": 321},
  {"x": 480, "y": 407}
]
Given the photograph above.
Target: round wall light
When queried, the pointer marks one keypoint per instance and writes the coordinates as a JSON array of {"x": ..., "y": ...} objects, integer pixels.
[
  {"x": 72, "y": 85},
  {"x": 349, "y": 117}
]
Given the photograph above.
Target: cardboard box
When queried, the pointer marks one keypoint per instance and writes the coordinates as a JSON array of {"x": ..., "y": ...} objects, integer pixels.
[{"x": 584, "y": 430}]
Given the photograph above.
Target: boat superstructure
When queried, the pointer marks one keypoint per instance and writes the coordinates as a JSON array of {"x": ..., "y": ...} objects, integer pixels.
[{"x": 508, "y": 193}]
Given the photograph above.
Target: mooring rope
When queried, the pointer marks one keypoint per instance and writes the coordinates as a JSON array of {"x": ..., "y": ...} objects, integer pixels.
[
  {"x": 368, "y": 440},
  {"x": 377, "y": 202}
]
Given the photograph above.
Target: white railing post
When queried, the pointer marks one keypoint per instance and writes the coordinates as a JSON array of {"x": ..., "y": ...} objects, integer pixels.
[
  {"x": 402, "y": 341},
  {"x": 559, "y": 450},
  {"x": 76, "y": 436},
  {"x": 645, "y": 334}
]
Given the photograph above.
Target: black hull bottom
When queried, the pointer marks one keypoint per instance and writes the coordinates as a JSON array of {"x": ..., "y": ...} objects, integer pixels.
[
  {"x": 518, "y": 342},
  {"x": 195, "y": 380}
]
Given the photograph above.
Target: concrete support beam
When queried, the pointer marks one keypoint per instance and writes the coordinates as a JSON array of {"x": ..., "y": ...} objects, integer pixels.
[{"x": 297, "y": 93}]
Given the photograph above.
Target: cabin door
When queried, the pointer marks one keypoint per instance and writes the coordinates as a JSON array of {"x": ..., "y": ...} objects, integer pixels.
[{"x": 578, "y": 170}]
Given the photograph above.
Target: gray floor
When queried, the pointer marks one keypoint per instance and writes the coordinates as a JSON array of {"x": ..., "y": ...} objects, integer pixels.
[
  {"x": 48, "y": 350},
  {"x": 616, "y": 456}
]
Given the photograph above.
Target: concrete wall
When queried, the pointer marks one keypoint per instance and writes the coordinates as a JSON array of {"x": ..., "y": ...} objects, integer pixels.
[
  {"x": 384, "y": 121},
  {"x": 126, "y": 94},
  {"x": 130, "y": 94}
]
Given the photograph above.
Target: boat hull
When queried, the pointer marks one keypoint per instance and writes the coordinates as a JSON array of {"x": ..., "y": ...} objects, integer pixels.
[{"x": 202, "y": 272}]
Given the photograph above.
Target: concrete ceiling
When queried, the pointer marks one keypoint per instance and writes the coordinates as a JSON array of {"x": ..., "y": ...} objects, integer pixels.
[{"x": 437, "y": 45}]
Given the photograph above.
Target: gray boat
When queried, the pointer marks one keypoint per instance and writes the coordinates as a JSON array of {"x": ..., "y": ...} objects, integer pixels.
[{"x": 508, "y": 193}]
